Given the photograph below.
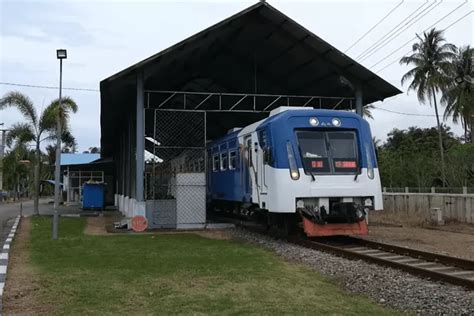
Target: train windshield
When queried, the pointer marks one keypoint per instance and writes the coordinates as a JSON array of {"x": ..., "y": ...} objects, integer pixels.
[{"x": 328, "y": 152}]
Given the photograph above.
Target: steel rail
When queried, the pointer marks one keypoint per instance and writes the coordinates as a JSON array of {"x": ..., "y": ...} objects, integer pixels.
[
  {"x": 405, "y": 262},
  {"x": 428, "y": 256},
  {"x": 421, "y": 263}
]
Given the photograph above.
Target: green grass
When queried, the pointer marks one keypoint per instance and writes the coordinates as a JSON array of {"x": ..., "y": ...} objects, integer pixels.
[{"x": 177, "y": 274}]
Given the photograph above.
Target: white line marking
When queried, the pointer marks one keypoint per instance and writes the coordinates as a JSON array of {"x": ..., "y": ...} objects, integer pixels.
[
  {"x": 3, "y": 269},
  {"x": 7, "y": 246},
  {"x": 2, "y": 285},
  {"x": 8, "y": 240},
  {"x": 4, "y": 255}
]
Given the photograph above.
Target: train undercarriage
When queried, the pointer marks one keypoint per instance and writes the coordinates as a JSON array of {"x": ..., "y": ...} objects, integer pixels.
[{"x": 345, "y": 218}]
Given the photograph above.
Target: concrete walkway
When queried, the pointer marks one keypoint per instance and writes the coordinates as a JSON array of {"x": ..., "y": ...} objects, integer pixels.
[{"x": 8, "y": 212}]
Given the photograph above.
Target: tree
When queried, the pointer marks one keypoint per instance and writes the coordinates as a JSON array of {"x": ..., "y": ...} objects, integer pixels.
[
  {"x": 367, "y": 111},
  {"x": 409, "y": 157},
  {"x": 432, "y": 58},
  {"x": 37, "y": 129},
  {"x": 16, "y": 169},
  {"x": 458, "y": 97}
]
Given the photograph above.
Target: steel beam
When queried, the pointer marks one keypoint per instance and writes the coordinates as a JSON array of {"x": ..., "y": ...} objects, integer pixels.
[
  {"x": 359, "y": 100},
  {"x": 140, "y": 139}
]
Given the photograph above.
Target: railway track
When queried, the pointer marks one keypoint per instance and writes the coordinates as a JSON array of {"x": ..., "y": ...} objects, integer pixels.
[
  {"x": 425, "y": 264},
  {"x": 434, "y": 266}
]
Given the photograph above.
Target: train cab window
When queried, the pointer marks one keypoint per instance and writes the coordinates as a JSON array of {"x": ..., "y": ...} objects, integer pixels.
[
  {"x": 314, "y": 152},
  {"x": 215, "y": 163},
  {"x": 328, "y": 152},
  {"x": 343, "y": 151},
  {"x": 224, "y": 161},
  {"x": 232, "y": 160}
]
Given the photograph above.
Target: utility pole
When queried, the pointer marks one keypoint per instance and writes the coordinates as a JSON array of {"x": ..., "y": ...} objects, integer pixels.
[
  {"x": 60, "y": 54},
  {"x": 2, "y": 154}
]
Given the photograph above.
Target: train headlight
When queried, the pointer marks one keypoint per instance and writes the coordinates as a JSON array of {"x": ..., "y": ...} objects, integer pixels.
[
  {"x": 300, "y": 204},
  {"x": 370, "y": 173},
  {"x": 314, "y": 121},
  {"x": 295, "y": 175},
  {"x": 336, "y": 122},
  {"x": 294, "y": 172}
]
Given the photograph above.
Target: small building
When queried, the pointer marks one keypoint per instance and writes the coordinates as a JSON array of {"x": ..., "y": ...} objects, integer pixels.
[
  {"x": 76, "y": 169},
  {"x": 158, "y": 115}
]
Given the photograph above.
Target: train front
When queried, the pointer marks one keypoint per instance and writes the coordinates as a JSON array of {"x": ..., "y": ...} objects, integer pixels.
[{"x": 326, "y": 171}]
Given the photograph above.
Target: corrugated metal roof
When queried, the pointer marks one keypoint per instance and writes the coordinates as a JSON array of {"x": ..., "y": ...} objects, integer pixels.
[
  {"x": 258, "y": 50},
  {"x": 68, "y": 159}
]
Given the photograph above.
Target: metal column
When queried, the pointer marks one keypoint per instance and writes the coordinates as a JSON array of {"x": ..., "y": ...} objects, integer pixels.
[
  {"x": 359, "y": 100},
  {"x": 140, "y": 139},
  {"x": 2, "y": 154}
]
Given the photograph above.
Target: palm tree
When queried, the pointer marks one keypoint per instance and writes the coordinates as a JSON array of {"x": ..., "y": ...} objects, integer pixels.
[
  {"x": 459, "y": 97},
  {"x": 367, "y": 111},
  {"x": 432, "y": 60},
  {"x": 37, "y": 129}
]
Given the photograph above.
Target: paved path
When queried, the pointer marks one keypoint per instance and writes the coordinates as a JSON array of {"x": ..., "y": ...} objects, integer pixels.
[{"x": 8, "y": 212}]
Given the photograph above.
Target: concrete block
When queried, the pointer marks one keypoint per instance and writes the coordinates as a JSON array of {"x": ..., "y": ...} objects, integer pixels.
[{"x": 436, "y": 215}]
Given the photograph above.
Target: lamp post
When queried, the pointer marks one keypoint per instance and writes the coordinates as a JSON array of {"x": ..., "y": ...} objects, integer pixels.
[{"x": 60, "y": 54}]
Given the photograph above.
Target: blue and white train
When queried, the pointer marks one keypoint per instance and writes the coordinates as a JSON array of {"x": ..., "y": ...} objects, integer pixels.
[{"x": 315, "y": 169}]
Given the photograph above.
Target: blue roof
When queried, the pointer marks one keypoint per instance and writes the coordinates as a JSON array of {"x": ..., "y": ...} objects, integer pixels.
[{"x": 78, "y": 159}]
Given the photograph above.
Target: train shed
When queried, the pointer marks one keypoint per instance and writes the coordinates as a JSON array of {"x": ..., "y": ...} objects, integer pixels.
[{"x": 158, "y": 115}]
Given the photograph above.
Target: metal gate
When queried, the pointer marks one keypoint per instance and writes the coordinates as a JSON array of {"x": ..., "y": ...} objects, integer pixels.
[{"x": 175, "y": 181}]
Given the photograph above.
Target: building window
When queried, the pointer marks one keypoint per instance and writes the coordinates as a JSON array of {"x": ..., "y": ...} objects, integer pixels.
[
  {"x": 224, "y": 161},
  {"x": 232, "y": 160},
  {"x": 215, "y": 163}
]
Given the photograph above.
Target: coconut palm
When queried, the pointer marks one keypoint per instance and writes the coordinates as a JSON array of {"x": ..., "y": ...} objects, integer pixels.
[
  {"x": 459, "y": 97},
  {"x": 37, "y": 129},
  {"x": 431, "y": 59},
  {"x": 367, "y": 111}
]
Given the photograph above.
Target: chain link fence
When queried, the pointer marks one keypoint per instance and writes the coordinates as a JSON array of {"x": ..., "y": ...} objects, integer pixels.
[{"x": 175, "y": 183}]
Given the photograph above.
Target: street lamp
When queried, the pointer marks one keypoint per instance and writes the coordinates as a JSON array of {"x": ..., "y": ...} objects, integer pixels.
[{"x": 60, "y": 54}]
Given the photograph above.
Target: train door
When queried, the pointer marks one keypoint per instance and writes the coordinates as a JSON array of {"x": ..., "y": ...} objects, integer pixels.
[
  {"x": 247, "y": 167},
  {"x": 260, "y": 169}
]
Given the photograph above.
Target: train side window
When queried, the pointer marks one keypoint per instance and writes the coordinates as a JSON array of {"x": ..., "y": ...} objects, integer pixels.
[
  {"x": 224, "y": 161},
  {"x": 232, "y": 160},
  {"x": 267, "y": 156},
  {"x": 215, "y": 163}
]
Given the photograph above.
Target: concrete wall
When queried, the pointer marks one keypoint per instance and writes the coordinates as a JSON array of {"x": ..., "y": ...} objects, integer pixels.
[
  {"x": 129, "y": 207},
  {"x": 416, "y": 206}
]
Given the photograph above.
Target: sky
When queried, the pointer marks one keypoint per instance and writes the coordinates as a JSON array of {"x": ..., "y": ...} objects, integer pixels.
[{"x": 104, "y": 37}]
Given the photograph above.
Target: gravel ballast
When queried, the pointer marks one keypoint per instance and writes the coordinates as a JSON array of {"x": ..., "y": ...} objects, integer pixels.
[{"x": 387, "y": 286}]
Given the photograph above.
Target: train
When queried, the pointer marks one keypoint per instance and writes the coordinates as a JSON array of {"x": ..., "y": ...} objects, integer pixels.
[{"x": 300, "y": 169}]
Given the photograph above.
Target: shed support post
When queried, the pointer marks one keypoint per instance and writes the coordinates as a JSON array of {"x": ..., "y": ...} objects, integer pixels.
[
  {"x": 359, "y": 100},
  {"x": 140, "y": 141}
]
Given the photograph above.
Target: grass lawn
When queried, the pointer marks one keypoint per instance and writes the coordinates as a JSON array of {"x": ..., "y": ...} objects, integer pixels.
[{"x": 176, "y": 274}]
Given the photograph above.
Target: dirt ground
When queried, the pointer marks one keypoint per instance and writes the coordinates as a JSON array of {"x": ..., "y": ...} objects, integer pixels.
[
  {"x": 458, "y": 244},
  {"x": 96, "y": 226},
  {"x": 20, "y": 294}
]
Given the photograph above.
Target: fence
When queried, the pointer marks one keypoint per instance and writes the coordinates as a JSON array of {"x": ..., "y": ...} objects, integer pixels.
[
  {"x": 415, "y": 207},
  {"x": 175, "y": 186},
  {"x": 447, "y": 190}
]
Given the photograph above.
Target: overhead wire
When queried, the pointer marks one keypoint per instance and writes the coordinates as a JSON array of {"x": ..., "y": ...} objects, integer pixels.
[
  {"x": 47, "y": 87},
  {"x": 395, "y": 28},
  {"x": 414, "y": 38},
  {"x": 399, "y": 32},
  {"x": 405, "y": 113},
  {"x": 376, "y": 24}
]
